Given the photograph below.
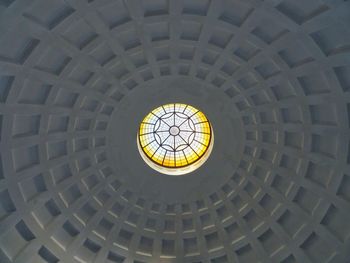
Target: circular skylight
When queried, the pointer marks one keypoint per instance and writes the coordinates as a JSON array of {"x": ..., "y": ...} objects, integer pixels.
[{"x": 175, "y": 139}]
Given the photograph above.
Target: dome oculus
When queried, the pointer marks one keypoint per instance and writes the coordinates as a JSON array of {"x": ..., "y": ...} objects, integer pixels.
[{"x": 175, "y": 139}]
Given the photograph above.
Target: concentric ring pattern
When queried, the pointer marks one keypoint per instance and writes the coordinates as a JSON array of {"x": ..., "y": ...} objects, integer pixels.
[
  {"x": 175, "y": 135},
  {"x": 69, "y": 67}
]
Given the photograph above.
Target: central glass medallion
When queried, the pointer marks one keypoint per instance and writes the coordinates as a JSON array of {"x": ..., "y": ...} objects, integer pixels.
[{"x": 175, "y": 139}]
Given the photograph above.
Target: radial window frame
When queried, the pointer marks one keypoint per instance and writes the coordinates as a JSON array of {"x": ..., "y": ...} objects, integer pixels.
[{"x": 180, "y": 112}]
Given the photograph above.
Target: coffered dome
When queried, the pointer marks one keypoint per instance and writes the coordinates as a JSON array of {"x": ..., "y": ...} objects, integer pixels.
[{"x": 77, "y": 77}]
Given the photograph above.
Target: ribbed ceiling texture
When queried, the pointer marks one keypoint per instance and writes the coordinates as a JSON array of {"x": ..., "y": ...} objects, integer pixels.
[{"x": 78, "y": 76}]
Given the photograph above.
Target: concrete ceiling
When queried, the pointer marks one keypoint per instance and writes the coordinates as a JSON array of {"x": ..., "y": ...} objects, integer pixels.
[{"x": 77, "y": 77}]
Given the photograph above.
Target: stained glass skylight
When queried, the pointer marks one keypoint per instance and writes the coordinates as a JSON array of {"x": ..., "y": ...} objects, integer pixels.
[{"x": 175, "y": 136}]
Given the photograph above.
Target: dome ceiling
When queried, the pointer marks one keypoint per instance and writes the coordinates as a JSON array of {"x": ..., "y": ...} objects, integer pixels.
[{"x": 78, "y": 76}]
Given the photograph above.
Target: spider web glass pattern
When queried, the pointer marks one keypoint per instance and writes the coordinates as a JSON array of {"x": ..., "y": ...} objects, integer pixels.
[{"x": 175, "y": 135}]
